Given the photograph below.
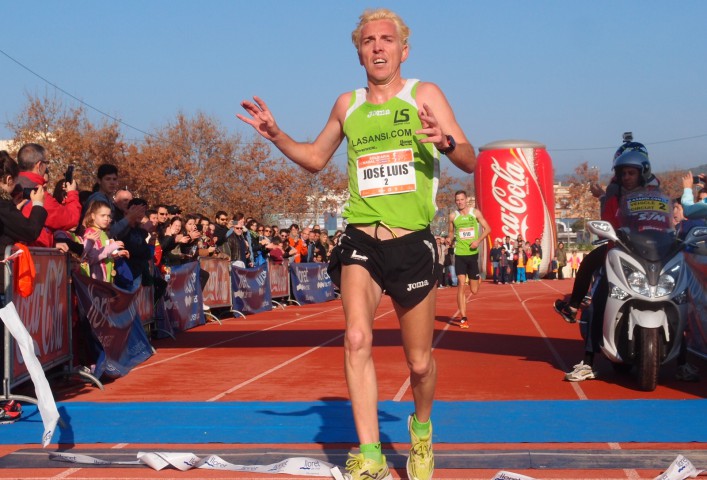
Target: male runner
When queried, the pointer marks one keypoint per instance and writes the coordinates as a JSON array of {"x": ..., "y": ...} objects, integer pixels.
[
  {"x": 468, "y": 227},
  {"x": 396, "y": 130}
]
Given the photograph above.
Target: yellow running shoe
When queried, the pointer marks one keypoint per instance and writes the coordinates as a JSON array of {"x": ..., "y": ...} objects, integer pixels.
[
  {"x": 360, "y": 468},
  {"x": 421, "y": 462}
]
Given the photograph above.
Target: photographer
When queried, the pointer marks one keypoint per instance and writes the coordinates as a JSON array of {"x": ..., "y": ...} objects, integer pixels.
[
  {"x": 34, "y": 171},
  {"x": 190, "y": 246},
  {"x": 135, "y": 240},
  {"x": 693, "y": 210},
  {"x": 14, "y": 227}
]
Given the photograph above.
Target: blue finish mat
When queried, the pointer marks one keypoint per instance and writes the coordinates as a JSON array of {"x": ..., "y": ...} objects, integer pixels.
[{"x": 331, "y": 422}]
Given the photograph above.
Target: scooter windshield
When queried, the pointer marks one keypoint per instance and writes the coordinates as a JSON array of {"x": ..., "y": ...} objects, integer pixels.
[{"x": 646, "y": 222}]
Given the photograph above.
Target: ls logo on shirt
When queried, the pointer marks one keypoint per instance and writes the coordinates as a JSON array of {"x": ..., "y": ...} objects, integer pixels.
[{"x": 402, "y": 116}]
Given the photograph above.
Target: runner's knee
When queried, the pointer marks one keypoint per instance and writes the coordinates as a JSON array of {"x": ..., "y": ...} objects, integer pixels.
[
  {"x": 358, "y": 340},
  {"x": 421, "y": 365}
]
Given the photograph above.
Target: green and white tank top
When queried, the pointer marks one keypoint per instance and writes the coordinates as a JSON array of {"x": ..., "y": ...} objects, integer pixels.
[
  {"x": 392, "y": 176},
  {"x": 466, "y": 230}
]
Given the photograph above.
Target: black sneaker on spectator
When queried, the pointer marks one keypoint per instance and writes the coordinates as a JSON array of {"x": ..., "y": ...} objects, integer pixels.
[{"x": 566, "y": 311}]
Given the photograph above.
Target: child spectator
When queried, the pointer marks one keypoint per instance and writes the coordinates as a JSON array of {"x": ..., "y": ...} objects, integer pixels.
[
  {"x": 275, "y": 251},
  {"x": 574, "y": 263},
  {"x": 536, "y": 260},
  {"x": 554, "y": 265},
  {"x": 529, "y": 264},
  {"x": 504, "y": 266},
  {"x": 522, "y": 261},
  {"x": 99, "y": 251}
]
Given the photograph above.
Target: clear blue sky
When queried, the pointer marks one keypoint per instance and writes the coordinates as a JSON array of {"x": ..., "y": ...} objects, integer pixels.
[{"x": 573, "y": 75}]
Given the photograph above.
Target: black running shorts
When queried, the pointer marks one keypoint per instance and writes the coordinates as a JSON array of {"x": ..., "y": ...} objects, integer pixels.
[
  {"x": 467, "y": 265},
  {"x": 404, "y": 267}
]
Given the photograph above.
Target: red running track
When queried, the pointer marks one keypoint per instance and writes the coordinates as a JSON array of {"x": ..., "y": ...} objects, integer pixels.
[{"x": 516, "y": 349}]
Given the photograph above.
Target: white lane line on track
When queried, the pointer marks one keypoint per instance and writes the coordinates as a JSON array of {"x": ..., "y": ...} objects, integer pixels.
[
  {"x": 231, "y": 339},
  {"x": 65, "y": 473},
  {"x": 631, "y": 474},
  {"x": 284, "y": 364},
  {"x": 561, "y": 363}
]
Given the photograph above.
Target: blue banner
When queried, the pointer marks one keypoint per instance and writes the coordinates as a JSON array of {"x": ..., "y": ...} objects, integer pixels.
[
  {"x": 183, "y": 304},
  {"x": 115, "y": 324},
  {"x": 697, "y": 303},
  {"x": 311, "y": 283},
  {"x": 251, "y": 289}
]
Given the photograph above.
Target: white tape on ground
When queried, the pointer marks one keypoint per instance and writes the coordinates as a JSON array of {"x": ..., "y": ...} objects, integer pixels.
[
  {"x": 680, "y": 469},
  {"x": 45, "y": 399},
  {"x": 186, "y": 461},
  {"x": 503, "y": 475}
]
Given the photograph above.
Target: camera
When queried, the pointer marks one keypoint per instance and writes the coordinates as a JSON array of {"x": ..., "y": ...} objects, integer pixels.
[
  {"x": 27, "y": 191},
  {"x": 628, "y": 136},
  {"x": 69, "y": 175},
  {"x": 696, "y": 179}
]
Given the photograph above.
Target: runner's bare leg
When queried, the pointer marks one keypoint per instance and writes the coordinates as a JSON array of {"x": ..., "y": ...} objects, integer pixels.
[
  {"x": 417, "y": 330},
  {"x": 360, "y": 296}
]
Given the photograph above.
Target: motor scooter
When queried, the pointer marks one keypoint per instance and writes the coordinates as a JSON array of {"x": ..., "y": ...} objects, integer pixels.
[{"x": 648, "y": 282}]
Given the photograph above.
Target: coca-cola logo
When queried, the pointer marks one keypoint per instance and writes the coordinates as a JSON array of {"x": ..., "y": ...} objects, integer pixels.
[{"x": 509, "y": 189}]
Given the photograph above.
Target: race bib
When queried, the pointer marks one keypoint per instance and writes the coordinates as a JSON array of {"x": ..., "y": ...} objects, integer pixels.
[
  {"x": 467, "y": 233},
  {"x": 386, "y": 173}
]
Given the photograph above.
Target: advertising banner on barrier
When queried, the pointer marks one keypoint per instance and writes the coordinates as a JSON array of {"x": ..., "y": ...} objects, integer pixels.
[
  {"x": 45, "y": 313},
  {"x": 697, "y": 301},
  {"x": 217, "y": 292},
  {"x": 183, "y": 306},
  {"x": 115, "y": 324},
  {"x": 311, "y": 283},
  {"x": 145, "y": 304},
  {"x": 279, "y": 279},
  {"x": 251, "y": 289}
]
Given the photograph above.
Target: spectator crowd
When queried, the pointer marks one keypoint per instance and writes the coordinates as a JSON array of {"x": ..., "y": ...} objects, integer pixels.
[{"x": 116, "y": 237}]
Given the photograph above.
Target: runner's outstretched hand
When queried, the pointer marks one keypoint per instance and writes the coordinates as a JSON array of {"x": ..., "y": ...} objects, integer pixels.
[
  {"x": 260, "y": 119},
  {"x": 430, "y": 127}
]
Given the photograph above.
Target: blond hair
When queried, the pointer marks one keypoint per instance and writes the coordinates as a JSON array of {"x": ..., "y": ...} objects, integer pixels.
[{"x": 380, "y": 14}]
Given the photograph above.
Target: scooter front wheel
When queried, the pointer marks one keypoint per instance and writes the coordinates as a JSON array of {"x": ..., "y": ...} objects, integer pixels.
[{"x": 648, "y": 354}]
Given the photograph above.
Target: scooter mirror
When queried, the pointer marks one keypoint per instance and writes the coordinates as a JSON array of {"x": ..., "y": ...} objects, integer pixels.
[{"x": 602, "y": 229}]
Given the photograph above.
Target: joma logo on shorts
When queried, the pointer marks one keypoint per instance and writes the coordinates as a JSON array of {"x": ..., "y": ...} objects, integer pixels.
[
  {"x": 413, "y": 286},
  {"x": 356, "y": 256}
]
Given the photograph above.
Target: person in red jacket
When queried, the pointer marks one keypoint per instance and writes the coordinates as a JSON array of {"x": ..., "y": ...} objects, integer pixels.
[{"x": 33, "y": 165}]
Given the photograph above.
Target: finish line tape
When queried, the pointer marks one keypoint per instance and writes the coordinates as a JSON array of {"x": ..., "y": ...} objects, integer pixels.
[
  {"x": 187, "y": 461},
  {"x": 680, "y": 469},
  {"x": 45, "y": 398}
]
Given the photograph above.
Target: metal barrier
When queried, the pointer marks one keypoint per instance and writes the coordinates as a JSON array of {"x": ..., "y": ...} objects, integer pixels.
[
  {"x": 47, "y": 315},
  {"x": 217, "y": 292},
  {"x": 280, "y": 283}
]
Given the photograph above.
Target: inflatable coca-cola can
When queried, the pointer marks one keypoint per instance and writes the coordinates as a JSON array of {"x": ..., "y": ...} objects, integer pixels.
[{"x": 515, "y": 193}]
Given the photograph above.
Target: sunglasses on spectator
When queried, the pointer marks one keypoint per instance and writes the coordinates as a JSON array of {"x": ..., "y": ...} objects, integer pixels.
[
  {"x": 268, "y": 230},
  {"x": 238, "y": 228}
]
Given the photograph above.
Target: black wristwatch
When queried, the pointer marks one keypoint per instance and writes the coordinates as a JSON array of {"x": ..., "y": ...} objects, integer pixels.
[{"x": 450, "y": 148}]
